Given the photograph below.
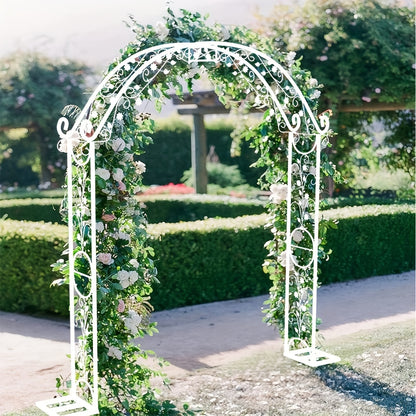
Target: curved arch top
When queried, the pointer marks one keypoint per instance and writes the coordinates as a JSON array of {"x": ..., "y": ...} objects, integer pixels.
[{"x": 271, "y": 84}]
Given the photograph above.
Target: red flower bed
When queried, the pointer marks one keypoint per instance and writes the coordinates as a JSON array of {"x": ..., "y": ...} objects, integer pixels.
[{"x": 170, "y": 188}]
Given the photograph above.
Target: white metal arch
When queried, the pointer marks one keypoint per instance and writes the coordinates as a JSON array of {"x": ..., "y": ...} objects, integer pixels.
[{"x": 274, "y": 88}]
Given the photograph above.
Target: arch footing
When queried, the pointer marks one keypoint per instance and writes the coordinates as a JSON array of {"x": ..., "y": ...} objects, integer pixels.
[
  {"x": 67, "y": 405},
  {"x": 312, "y": 357}
]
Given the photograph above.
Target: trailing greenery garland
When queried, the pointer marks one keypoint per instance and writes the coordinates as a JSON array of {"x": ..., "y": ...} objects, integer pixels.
[{"x": 125, "y": 269}]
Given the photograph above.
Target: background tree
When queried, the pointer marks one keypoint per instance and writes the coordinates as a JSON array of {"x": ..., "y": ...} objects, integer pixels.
[
  {"x": 33, "y": 91},
  {"x": 363, "y": 53}
]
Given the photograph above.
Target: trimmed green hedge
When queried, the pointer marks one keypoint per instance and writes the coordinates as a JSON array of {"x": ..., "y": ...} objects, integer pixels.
[
  {"x": 370, "y": 241},
  {"x": 37, "y": 209},
  {"x": 178, "y": 208},
  {"x": 27, "y": 249},
  {"x": 209, "y": 260}
]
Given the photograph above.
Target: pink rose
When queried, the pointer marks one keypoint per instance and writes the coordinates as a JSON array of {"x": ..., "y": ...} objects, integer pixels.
[
  {"x": 121, "y": 306},
  {"x": 105, "y": 258},
  {"x": 121, "y": 186},
  {"x": 108, "y": 217}
]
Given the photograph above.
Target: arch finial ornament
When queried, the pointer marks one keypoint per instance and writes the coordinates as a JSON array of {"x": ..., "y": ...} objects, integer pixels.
[{"x": 110, "y": 262}]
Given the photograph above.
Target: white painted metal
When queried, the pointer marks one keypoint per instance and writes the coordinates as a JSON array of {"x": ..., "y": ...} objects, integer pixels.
[
  {"x": 307, "y": 354},
  {"x": 118, "y": 84},
  {"x": 83, "y": 395}
]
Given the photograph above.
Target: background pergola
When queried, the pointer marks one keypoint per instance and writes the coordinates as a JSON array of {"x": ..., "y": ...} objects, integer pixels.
[{"x": 203, "y": 103}]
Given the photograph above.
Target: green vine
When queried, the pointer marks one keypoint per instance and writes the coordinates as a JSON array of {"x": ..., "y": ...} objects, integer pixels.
[{"x": 125, "y": 269}]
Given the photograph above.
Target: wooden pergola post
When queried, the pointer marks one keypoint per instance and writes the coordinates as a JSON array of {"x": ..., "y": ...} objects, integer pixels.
[
  {"x": 199, "y": 104},
  {"x": 199, "y": 154}
]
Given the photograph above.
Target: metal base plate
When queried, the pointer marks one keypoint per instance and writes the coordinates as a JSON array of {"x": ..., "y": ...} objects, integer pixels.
[
  {"x": 67, "y": 405},
  {"x": 312, "y": 357}
]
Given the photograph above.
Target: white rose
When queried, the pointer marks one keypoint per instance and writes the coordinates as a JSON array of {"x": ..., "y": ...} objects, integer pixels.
[
  {"x": 161, "y": 30},
  {"x": 315, "y": 95},
  {"x": 127, "y": 278},
  {"x": 99, "y": 227},
  {"x": 115, "y": 352},
  {"x": 103, "y": 173},
  {"x": 282, "y": 260},
  {"x": 134, "y": 263},
  {"x": 290, "y": 58},
  {"x": 297, "y": 236},
  {"x": 105, "y": 258},
  {"x": 118, "y": 145},
  {"x": 71, "y": 137},
  {"x": 118, "y": 175},
  {"x": 132, "y": 322},
  {"x": 279, "y": 193},
  {"x": 313, "y": 82},
  {"x": 122, "y": 236},
  {"x": 140, "y": 167}
]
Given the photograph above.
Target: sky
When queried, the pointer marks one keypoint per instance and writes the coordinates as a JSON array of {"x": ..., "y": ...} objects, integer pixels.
[{"x": 93, "y": 31}]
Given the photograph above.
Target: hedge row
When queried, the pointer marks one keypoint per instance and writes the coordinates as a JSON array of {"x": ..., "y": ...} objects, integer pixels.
[
  {"x": 158, "y": 208},
  {"x": 370, "y": 241},
  {"x": 36, "y": 209},
  {"x": 209, "y": 260},
  {"x": 27, "y": 249},
  {"x": 175, "y": 208}
]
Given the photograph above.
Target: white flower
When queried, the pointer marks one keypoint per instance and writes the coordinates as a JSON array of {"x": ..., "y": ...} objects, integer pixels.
[
  {"x": 20, "y": 100},
  {"x": 315, "y": 95},
  {"x": 140, "y": 167},
  {"x": 99, "y": 227},
  {"x": 105, "y": 258},
  {"x": 134, "y": 263},
  {"x": 161, "y": 30},
  {"x": 290, "y": 58},
  {"x": 282, "y": 260},
  {"x": 72, "y": 137},
  {"x": 122, "y": 236},
  {"x": 103, "y": 173},
  {"x": 225, "y": 33},
  {"x": 297, "y": 236},
  {"x": 118, "y": 175},
  {"x": 127, "y": 278},
  {"x": 118, "y": 145},
  {"x": 279, "y": 193},
  {"x": 132, "y": 322},
  {"x": 114, "y": 352},
  {"x": 313, "y": 82}
]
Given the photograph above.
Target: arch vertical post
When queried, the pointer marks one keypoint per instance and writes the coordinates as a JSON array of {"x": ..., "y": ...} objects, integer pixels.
[
  {"x": 309, "y": 354},
  {"x": 83, "y": 393}
]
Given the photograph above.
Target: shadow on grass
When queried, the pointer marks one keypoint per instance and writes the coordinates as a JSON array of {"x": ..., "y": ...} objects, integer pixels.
[{"x": 346, "y": 380}]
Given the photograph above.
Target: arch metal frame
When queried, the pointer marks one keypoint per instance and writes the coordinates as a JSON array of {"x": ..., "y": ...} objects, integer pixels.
[{"x": 114, "y": 89}]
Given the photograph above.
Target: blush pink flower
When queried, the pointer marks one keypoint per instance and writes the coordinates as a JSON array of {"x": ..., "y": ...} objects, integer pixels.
[
  {"x": 108, "y": 217},
  {"x": 105, "y": 258},
  {"x": 121, "y": 306},
  {"x": 121, "y": 186}
]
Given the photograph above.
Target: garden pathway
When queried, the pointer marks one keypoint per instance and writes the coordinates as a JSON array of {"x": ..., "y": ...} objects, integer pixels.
[{"x": 32, "y": 350}]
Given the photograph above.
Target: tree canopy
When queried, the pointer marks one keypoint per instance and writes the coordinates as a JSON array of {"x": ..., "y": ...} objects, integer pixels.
[
  {"x": 362, "y": 51},
  {"x": 33, "y": 91}
]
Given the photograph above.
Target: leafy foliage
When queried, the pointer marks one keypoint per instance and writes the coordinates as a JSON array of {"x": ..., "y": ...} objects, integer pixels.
[
  {"x": 219, "y": 174},
  {"x": 362, "y": 52},
  {"x": 33, "y": 89}
]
